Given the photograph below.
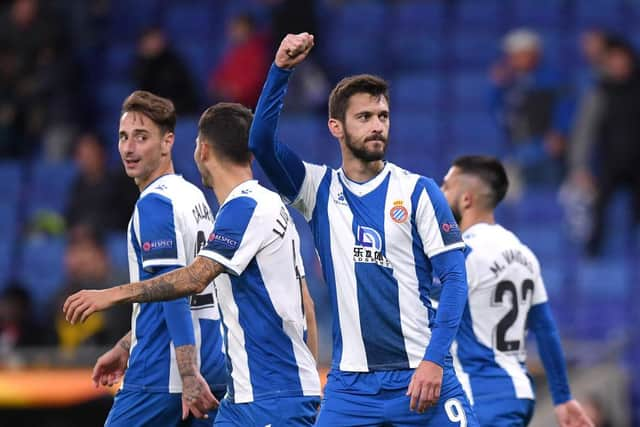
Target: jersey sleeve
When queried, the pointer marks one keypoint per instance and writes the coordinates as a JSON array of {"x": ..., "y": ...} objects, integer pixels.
[
  {"x": 436, "y": 226},
  {"x": 539, "y": 290},
  {"x": 473, "y": 276},
  {"x": 305, "y": 202},
  {"x": 161, "y": 241},
  {"x": 238, "y": 234}
]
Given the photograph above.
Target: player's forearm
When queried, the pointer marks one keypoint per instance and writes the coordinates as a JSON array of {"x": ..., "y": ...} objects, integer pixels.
[
  {"x": 449, "y": 267},
  {"x": 125, "y": 342},
  {"x": 283, "y": 167},
  {"x": 187, "y": 360},
  {"x": 175, "y": 284},
  {"x": 541, "y": 323}
]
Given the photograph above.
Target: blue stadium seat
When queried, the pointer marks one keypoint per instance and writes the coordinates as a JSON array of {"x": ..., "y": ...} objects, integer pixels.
[
  {"x": 539, "y": 206},
  {"x": 474, "y": 49},
  {"x": 7, "y": 265},
  {"x": 9, "y": 224},
  {"x": 472, "y": 13},
  {"x": 536, "y": 14},
  {"x": 548, "y": 242},
  {"x": 606, "y": 14},
  {"x": 116, "y": 244},
  {"x": 470, "y": 90},
  {"x": 111, "y": 95},
  {"x": 417, "y": 92},
  {"x": 118, "y": 60},
  {"x": 42, "y": 267},
  {"x": 11, "y": 178},
  {"x": 607, "y": 279},
  {"x": 185, "y": 144},
  {"x": 306, "y": 134},
  {"x": 125, "y": 23},
  {"x": 346, "y": 51},
  {"x": 49, "y": 187},
  {"x": 188, "y": 21},
  {"x": 416, "y": 14},
  {"x": 415, "y": 140},
  {"x": 413, "y": 49},
  {"x": 200, "y": 57},
  {"x": 474, "y": 133}
]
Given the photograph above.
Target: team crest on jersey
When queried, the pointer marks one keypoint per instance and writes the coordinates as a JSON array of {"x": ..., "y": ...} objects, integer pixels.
[
  {"x": 368, "y": 248},
  {"x": 398, "y": 212}
]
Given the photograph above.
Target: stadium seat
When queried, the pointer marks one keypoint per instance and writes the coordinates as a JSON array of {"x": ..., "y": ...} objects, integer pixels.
[
  {"x": 11, "y": 179},
  {"x": 417, "y": 93},
  {"x": 119, "y": 60},
  {"x": 304, "y": 133},
  {"x": 474, "y": 133},
  {"x": 606, "y": 278},
  {"x": 41, "y": 268},
  {"x": 116, "y": 244},
  {"x": 7, "y": 264},
  {"x": 548, "y": 243},
  {"x": 200, "y": 57},
  {"x": 414, "y": 49},
  {"x": 111, "y": 94},
  {"x": 472, "y": 13},
  {"x": 49, "y": 187},
  {"x": 415, "y": 141},
  {"x": 185, "y": 143},
  {"x": 470, "y": 90},
  {"x": 606, "y": 14},
  {"x": 538, "y": 206},
  {"x": 537, "y": 14},
  {"x": 474, "y": 49},
  {"x": 9, "y": 224},
  {"x": 125, "y": 23}
]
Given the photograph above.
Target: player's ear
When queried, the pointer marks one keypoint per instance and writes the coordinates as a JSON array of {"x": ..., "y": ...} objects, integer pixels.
[
  {"x": 336, "y": 128},
  {"x": 466, "y": 200},
  {"x": 167, "y": 143}
]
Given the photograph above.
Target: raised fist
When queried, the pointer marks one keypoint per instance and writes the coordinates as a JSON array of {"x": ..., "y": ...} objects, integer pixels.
[{"x": 293, "y": 50}]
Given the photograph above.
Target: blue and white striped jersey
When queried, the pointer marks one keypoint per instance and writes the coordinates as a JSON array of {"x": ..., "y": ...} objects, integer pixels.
[
  {"x": 260, "y": 297},
  {"x": 170, "y": 224},
  {"x": 375, "y": 241},
  {"x": 504, "y": 284}
]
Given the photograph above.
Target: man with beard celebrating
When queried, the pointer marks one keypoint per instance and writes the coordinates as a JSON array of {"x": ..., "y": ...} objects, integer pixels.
[{"x": 382, "y": 233}]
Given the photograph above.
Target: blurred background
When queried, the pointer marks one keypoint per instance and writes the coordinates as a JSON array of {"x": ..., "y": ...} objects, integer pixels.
[{"x": 552, "y": 87}]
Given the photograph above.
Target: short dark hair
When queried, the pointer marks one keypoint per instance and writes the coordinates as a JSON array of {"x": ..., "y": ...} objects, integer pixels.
[
  {"x": 225, "y": 127},
  {"x": 490, "y": 171},
  {"x": 160, "y": 110},
  {"x": 349, "y": 86}
]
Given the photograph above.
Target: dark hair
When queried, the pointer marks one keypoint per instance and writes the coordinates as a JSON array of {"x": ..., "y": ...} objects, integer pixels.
[
  {"x": 349, "y": 86},
  {"x": 225, "y": 127},
  {"x": 490, "y": 171},
  {"x": 160, "y": 110}
]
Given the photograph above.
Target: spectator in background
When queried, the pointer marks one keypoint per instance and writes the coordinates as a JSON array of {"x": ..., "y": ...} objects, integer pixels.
[
  {"x": 36, "y": 93},
  {"x": 605, "y": 148},
  {"x": 532, "y": 102},
  {"x": 17, "y": 327},
  {"x": 99, "y": 197},
  {"x": 240, "y": 74},
  {"x": 87, "y": 265},
  {"x": 160, "y": 70}
]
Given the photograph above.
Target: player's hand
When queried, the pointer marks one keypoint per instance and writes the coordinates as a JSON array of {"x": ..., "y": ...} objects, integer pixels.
[
  {"x": 424, "y": 387},
  {"x": 293, "y": 49},
  {"x": 81, "y": 305},
  {"x": 197, "y": 397},
  {"x": 571, "y": 414},
  {"x": 110, "y": 367}
]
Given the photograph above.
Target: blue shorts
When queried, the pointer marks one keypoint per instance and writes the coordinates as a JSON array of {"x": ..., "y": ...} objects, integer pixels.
[
  {"x": 138, "y": 408},
  {"x": 379, "y": 398},
  {"x": 504, "y": 412},
  {"x": 275, "y": 412}
]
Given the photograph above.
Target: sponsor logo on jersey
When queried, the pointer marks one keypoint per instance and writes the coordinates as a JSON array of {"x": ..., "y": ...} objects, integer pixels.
[
  {"x": 368, "y": 248},
  {"x": 398, "y": 212},
  {"x": 223, "y": 240},
  {"x": 153, "y": 245},
  {"x": 340, "y": 200}
]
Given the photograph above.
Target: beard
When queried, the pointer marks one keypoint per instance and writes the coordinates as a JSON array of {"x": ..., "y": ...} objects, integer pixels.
[
  {"x": 362, "y": 152},
  {"x": 456, "y": 214}
]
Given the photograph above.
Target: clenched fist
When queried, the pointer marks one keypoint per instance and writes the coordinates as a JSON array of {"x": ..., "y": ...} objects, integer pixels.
[{"x": 293, "y": 50}]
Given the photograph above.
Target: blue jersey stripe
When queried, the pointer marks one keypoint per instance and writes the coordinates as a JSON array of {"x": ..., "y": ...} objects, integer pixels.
[
  {"x": 225, "y": 338},
  {"x": 321, "y": 231},
  {"x": 424, "y": 270},
  {"x": 383, "y": 342},
  {"x": 272, "y": 364}
]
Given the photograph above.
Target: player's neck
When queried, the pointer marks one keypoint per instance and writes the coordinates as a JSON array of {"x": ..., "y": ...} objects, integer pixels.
[
  {"x": 226, "y": 178},
  {"x": 472, "y": 218},
  {"x": 359, "y": 170},
  {"x": 163, "y": 169}
]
